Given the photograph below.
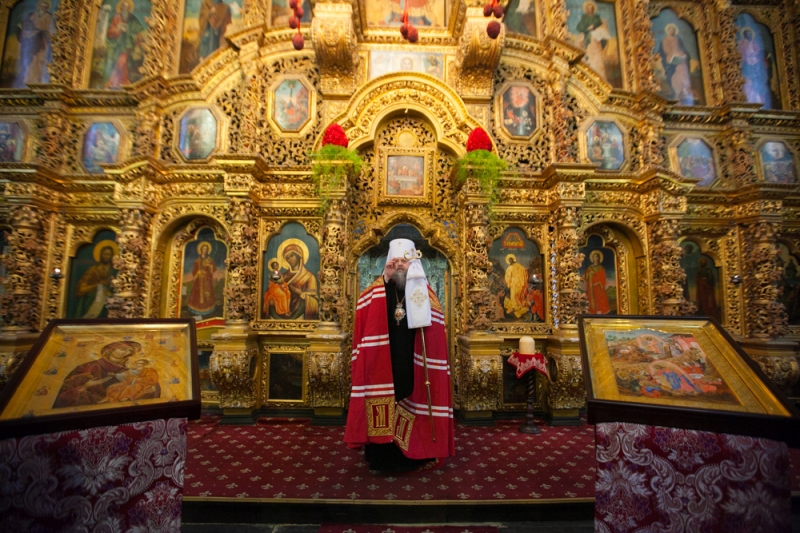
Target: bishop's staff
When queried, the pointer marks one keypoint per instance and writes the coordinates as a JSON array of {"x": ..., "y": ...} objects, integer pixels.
[{"x": 417, "y": 287}]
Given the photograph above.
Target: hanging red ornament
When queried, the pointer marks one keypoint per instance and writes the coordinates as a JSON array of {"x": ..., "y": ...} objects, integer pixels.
[
  {"x": 294, "y": 22},
  {"x": 404, "y": 31},
  {"x": 292, "y": 4},
  {"x": 498, "y": 11},
  {"x": 413, "y": 34},
  {"x": 488, "y": 9},
  {"x": 298, "y": 41},
  {"x": 298, "y": 12},
  {"x": 493, "y": 29}
]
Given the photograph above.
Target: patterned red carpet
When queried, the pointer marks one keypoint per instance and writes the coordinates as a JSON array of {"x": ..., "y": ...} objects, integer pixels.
[{"x": 292, "y": 460}]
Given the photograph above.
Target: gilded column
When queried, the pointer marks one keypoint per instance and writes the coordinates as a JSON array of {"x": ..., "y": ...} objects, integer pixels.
[
  {"x": 21, "y": 301},
  {"x": 53, "y": 130},
  {"x": 327, "y": 344},
  {"x": 765, "y": 318},
  {"x": 24, "y": 264},
  {"x": 566, "y": 394},
  {"x": 234, "y": 364},
  {"x": 645, "y": 44},
  {"x": 668, "y": 275},
  {"x": 558, "y": 116},
  {"x": 475, "y": 243},
  {"x": 128, "y": 300}
]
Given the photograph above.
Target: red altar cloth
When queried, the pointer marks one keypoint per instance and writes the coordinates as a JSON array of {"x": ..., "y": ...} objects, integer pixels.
[
  {"x": 665, "y": 479},
  {"x": 113, "y": 478}
]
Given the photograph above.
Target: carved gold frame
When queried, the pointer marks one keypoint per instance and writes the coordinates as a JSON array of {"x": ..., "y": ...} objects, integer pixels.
[
  {"x": 498, "y": 110},
  {"x": 584, "y": 148},
  {"x": 692, "y": 14},
  {"x": 384, "y": 198},
  {"x": 28, "y": 144},
  {"x": 789, "y": 147},
  {"x": 704, "y": 247},
  {"x": 672, "y": 149},
  {"x": 312, "y": 105},
  {"x": 124, "y": 138},
  {"x": 77, "y": 235},
  {"x": 220, "y": 141},
  {"x": 626, "y": 262},
  {"x": 772, "y": 18},
  {"x": 268, "y": 229},
  {"x": 270, "y": 348},
  {"x": 453, "y": 19},
  {"x": 169, "y": 305}
]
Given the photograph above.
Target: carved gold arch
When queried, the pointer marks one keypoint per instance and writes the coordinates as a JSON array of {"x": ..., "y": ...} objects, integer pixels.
[
  {"x": 421, "y": 93},
  {"x": 633, "y": 279},
  {"x": 429, "y": 230}
]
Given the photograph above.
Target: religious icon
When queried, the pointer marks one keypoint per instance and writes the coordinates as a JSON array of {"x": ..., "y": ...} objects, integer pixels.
[
  {"x": 119, "y": 43},
  {"x": 521, "y": 17},
  {"x": 605, "y": 145},
  {"x": 599, "y": 277},
  {"x": 207, "y": 387},
  {"x": 778, "y": 163},
  {"x": 702, "y": 285},
  {"x": 696, "y": 160},
  {"x": 421, "y": 13},
  {"x": 291, "y": 108},
  {"x": 12, "y": 142},
  {"x": 292, "y": 294},
  {"x": 517, "y": 296},
  {"x": 405, "y": 175},
  {"x": 388, "y": 62},
  {"x": 519, "y": 111},
  {"x": 790, "y": 283},
  {"x": 28, "y": 47},
  {"x": 650, "y": 363},
  {"x": 205, "y": 23},
  {"x": 593, "y": 28},
  {"x": 198, "y": 134},
  {"x": 759, "y": 63},
  {"x": 281, "y": 12},
  {"x": 203, "y": 278},
  {"x": 678, "y": 59},
  {"x": 100, "y": 146},
  {"x": 91, "y": 272}
]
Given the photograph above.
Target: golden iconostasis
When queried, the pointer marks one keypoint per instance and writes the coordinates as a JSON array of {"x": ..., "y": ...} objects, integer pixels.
[{"x": 155, "y": 163}]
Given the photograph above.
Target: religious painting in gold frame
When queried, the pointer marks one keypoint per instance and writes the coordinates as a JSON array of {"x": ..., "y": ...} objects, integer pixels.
[
  {"x": 90, "y": 373},
  {"x": 406, "y": 176},
  {"x": 285, "y": 375},
  {"x": 679, "y": 371}
]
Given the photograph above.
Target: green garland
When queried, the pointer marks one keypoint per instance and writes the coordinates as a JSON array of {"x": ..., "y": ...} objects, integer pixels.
[
  {"x": 485, "y": 167},
  {"x": 328, "y": 171}
]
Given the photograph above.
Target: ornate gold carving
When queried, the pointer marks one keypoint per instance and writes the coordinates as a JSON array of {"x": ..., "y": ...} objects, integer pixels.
[
  {"x": 24, "y": 263},
  {"x": 568, "y": 300},
  {"x": 129, "y": 299},
  {"x": 234, "y": 374},
  {"x": 335, "y": 47},
  {"x": 241, "y": 292},
  {"x": 477, "y": 56},
  {"x": 326, "y": 379},
  {"x": 569, "y": 390},
  {"x": 483, "y": 377},
  {"x": 783, "y": 371},
  {"x": 668, "y": 274},
  {"x": 765, "y": 317}
]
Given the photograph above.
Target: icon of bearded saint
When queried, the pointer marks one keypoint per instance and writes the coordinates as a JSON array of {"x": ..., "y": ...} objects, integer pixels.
[{"x": 519, "y": 115}]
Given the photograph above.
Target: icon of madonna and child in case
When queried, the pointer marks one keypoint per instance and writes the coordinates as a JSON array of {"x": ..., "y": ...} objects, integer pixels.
[
  {"x": 290, "y": 276},
  {"x": 85, "y": 367},
  {"x": 516, "y": 279},
  {"x": 648, "y": 363}
]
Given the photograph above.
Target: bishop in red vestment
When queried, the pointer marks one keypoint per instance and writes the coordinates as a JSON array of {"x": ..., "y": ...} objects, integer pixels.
[{"x": 389, "y": 411}]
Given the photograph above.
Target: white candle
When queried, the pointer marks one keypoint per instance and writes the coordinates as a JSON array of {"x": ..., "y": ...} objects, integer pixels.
[{"x": 527, "y": 345}]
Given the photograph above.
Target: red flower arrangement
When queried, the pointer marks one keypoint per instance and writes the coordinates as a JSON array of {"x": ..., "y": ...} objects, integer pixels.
[
  {"x": 334, "y": 134},
  {"x": 478, "y": 140}
]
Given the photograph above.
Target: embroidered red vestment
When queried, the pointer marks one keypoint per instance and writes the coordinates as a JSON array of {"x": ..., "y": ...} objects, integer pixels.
[{"x": 373, "y": 415}]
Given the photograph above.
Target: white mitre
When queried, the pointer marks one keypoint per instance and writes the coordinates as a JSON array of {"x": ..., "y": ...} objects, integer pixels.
[{"x": 418, "y": 303}]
